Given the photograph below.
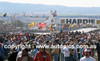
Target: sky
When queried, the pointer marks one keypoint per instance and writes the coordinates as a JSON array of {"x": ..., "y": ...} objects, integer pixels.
[{"x": 69, "y": 3}]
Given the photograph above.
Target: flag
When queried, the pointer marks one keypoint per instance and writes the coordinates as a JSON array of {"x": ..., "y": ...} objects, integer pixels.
[
  {"x": 50, "y": 11},
  {"x": 43, "y": 25},
  {"x": 50, "y": 26},
  {"x": 66, "y": 25},
  {"x": 79, "y": 25},
  {"x": 60, "y": 27},
  {"x": 33, "y": 23},
  {"x": 5, "y": 15},
  {"x": 51, "y": 29},
  {"x": 63, "y": 26},
  {"x": 36, "y": 16},
  {"x": 14, "y": 16},
  {"x": 85, "y": 24},
  {"x": 73, "y": 25},
  {"x": 30, "y": 25},
  {"x": 69, "y": 26},
  {"x": 38, "y": 25}
]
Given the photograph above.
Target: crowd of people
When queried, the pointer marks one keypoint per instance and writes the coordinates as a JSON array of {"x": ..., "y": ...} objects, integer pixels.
[{"x": 50, "y": 54}]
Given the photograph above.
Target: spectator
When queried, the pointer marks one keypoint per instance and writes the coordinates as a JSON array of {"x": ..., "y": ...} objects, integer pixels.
[
  {"x": 2, "y": 57},
  {"x": 1, "y": 39},
  {"x": 35, "y": 50},
  {"x": 55, "y": 52},
  {"x": 13, "y": 55},
  {"x": 98, "y": 49},
  {"x": 87, "y": 56},
  {"x": 66, "y": 53},
  {"x": 80, "y": 51},
  {"x": 25, "y": 56},
  {"x": 42, "y": 55}
]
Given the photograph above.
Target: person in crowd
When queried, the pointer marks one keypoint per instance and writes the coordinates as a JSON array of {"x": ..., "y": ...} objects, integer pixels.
[
  {"x": 42, "y": 55},
  {"x": 66, "y": 53},
  {"x": 1, "y": 39},
  {"x": 25, "y": 56},
  {"x": 87, "y": 56},
  {"x": 20, "y": 53},
  {"x": 98, "y": 49},
  {"x": 49, "y": 43},
  {"x": 61, "y": 52},
  {"x": 73, "y": 52},
  {"x": 13, "y": 55},
  {"x": 55, "y": 51},
  {"x": 80, "y": 50},
  {"x": 86, "y": 44},
  {"x": 6, "y": 50},
  {"x": 2, "y": 56},
  {"x": 35, "y": 50}
]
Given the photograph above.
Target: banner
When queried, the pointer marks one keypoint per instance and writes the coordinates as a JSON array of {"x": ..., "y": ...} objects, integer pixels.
[
  {"x": 78, "y": 21},
  {"x": 40, "y": 26}
]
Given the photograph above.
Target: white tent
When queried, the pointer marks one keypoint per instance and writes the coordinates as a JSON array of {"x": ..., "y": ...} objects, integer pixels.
[{"x": 86, "y": 29}]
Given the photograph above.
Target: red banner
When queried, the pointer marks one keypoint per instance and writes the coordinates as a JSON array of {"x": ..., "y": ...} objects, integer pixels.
[
  {"x": 41, "y": 25},
  {"x": 38, "y": 25}
]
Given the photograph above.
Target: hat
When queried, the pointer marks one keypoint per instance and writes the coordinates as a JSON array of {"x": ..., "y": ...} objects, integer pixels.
[{"x": 87, "y": 50}]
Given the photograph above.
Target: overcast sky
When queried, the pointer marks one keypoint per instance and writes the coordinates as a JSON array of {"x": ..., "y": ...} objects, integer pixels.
[{"x": 69, "y": 3}]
